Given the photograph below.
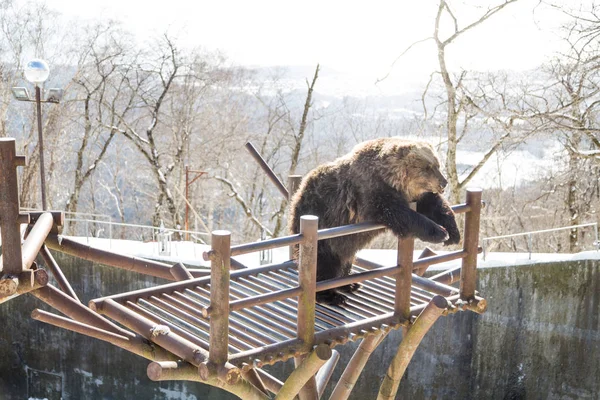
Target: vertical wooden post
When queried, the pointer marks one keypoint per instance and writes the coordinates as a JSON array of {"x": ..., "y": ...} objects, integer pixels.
[
  {"x": 406, "y": 247},
  {"x": 307, "y": 277},
  {"x": 404, "y": 278},
  {"x": 11, "y": 259},
  {"x": 293, "y": 184},
  {"x": 219, "y": 298},
  {"x": 468, "y": 272}
]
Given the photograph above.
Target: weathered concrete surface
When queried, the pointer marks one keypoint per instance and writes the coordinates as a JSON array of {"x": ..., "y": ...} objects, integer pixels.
[{"x": 539, "y": 339}]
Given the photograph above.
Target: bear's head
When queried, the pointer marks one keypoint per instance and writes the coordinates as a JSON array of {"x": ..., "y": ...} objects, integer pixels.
[{"x": 413, "y": 168}]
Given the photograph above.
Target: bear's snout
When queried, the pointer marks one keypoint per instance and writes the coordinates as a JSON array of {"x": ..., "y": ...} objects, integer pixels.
[{"x": 443, "y": 183}]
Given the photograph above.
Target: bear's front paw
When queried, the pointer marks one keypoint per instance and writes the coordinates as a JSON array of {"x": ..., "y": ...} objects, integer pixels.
[
  {"x": 436, "y": 234},
  {"x": 454, "y": 237}
]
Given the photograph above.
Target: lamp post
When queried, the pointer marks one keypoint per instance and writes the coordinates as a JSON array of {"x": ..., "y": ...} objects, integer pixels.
[{"x": 37, "y": 71}]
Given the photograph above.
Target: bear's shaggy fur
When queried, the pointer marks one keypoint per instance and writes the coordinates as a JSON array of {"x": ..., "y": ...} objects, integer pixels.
[{"x": 374, "y": 183}]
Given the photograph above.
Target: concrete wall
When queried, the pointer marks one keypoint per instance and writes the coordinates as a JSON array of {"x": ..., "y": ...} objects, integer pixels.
[{"x": 539, "y": 339}]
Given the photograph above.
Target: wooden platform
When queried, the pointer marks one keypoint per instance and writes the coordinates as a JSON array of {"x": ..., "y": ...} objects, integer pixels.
[
  {"x": 221, "y": 329},
  {"x": 258, "y": 333}
]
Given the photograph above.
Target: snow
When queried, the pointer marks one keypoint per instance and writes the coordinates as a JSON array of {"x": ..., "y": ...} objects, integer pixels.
[
  {"x": 190, "y": 254},
  {"x": 492, "y": 260},
  {"x": 89, "y": 376},
  {"x": 177, "y": 394}
]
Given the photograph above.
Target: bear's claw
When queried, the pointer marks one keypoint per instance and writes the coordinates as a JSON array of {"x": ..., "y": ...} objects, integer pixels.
[
  {"x": 331, "y": 297},
  {"x": 353, "y": 287}
]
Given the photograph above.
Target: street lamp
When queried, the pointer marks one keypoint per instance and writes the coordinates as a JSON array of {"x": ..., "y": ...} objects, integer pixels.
[{"x": 37, "y": 71}]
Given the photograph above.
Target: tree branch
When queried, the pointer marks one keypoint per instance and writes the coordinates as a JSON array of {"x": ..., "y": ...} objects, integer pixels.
[{"x": 242, "y": 202}]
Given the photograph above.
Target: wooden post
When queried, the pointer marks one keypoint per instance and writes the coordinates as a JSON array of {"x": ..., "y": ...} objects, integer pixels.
[
  {"x": 179, "y": 370},
  {"x": 307, "y": 277},
  {"x": 265, "y": 167},
  {"x": 404, "y": 278},
  {"x": 35, "y": 239},
  {"x": 28, "y": 281},
  {"x": 74, "y": 309},
  {"x": 346, "y": 383},
  {"x": 57, "y": 272},
  {"x": 180, "y": 272},
  {"x": 219, "y": 298},
  {"x": 293, "y": 185},
  {"x": 272, "y": 384},
  {"x": 325, "y": 372},
  {"x": 181, "y": 347},
  {"x": 468, "y": 273},
  {"x": 408, "y": 346},
  {"x": 12, "y": 262},
  {"x": 303, "y": 373}
]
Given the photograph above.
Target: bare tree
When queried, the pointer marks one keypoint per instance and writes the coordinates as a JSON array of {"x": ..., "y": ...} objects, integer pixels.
[
  {"x": 459, "y": 107},
  {"x": 100, "y": 88}
]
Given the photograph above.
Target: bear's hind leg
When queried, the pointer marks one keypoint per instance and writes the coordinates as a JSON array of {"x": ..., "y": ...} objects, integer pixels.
[
  {"x": 329, "y": 266},
  {"x": 352, "y": 287}
]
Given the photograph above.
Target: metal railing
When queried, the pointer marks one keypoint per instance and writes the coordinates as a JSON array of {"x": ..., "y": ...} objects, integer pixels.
[
  {"x": 75, "y": 215},
  {"x": 144, "y": 233},
  {"x": 530, "y": 234}
]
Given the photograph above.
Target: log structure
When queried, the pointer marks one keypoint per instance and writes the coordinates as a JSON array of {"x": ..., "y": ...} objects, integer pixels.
[{"x": 222, "y": 328}]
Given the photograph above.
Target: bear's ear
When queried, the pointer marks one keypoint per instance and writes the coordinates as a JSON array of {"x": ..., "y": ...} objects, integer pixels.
[{"x": 403, "y": 151}]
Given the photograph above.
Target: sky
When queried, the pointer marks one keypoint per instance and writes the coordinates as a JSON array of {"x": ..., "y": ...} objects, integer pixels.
[{"x": 358, "y": 37}]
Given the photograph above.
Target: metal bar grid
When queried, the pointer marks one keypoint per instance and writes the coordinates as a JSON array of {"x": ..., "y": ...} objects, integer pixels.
[{"x": 266, "y": 333}]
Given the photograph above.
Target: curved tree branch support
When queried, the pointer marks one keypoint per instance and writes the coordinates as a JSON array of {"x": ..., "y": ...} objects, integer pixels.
[
  {"x": 357, "y": 363},
  {"x": 183, "y": 371},
  {"x": 305, "y": 371},
  {"x": 408, "y": 346}
]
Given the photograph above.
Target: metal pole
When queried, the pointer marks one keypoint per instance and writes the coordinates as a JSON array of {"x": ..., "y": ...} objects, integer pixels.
[
  {"x": 530, "y": 244},
  {"x": 187, "y": 200},
  {"x": 38, "y": 102}
]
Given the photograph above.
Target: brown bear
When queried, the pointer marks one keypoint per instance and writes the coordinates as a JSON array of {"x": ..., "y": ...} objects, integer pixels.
[{"x": 375, "y": 183}]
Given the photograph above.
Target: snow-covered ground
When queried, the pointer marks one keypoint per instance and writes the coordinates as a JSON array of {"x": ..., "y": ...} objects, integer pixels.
[{"x": 190, "y": 254}]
